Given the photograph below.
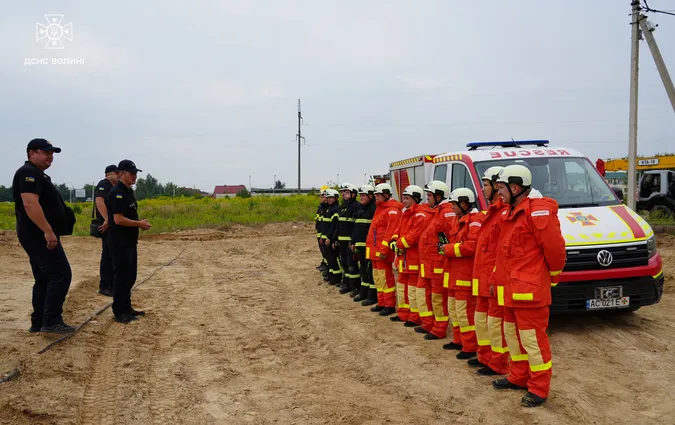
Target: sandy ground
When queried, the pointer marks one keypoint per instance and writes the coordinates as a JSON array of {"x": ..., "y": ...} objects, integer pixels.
[{"x": 240, "y": 329}]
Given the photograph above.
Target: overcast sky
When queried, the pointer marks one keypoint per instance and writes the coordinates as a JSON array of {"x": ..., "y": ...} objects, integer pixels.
[{"x": 205, "y": 92}]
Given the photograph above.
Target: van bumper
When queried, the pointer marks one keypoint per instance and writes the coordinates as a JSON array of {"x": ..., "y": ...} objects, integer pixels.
[{"x": 646, "y": 289}]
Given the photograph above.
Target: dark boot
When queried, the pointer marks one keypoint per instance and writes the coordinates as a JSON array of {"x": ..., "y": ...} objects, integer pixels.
[
  {"x": 410, "y": 324},
  {"x": 344, "y": 289},
  {"x": 395, "y": 319},
  {"x": 486, "y": 371},
  {"x": 368, "y": 302},
  {"x": 532, "y": 400},
  {"x": 505, "y": 384},
  {"x": 421, "y": 330},
  {"x": 354, "y": 293},
  {"x": 474, "y": 363},
  {"x": 452, "y": 346},
  {"x": 463, "y": 355},
  {"x": 431, "y": 337},
  {"x": 377, "y": 309},
  {"x": 387, "y": 311}
]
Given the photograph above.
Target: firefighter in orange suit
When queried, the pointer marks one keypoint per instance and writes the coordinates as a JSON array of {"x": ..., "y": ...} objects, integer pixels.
[
  {"x": 530, "y": 258},
  {"x": 431, "y": 274},
  {"x": 427, "y": 249},
  {"x": 459, "y": 266},
  {"x": 489, "y": 317},
  {"x": 382, "y": 231},
  {"x": 414, "y": 220}
]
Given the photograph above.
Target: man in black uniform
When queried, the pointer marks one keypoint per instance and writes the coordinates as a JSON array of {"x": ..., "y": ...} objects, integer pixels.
[
  {"x": 351, "y": 280},
  {"x": 364, "y": 217},
  {"x": 330, "y": 220},
  {"x": 101, "y": 198},
  {"x": 318, "y": 218},
  {"x": 41, "y": 218},
  {"x": 123, "y": 240}
]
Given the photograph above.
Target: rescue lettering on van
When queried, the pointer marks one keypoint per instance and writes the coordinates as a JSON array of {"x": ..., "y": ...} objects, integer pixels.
[{"x": 521, "y": 153}]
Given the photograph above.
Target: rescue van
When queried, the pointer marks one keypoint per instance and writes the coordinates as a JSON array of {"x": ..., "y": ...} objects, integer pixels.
[
  {"x": 612, "y": 261},
  {"x": 409, "y": 171}
]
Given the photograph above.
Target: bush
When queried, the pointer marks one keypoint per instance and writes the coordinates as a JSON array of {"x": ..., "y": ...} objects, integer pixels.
[{"x": 244, "y": 193}]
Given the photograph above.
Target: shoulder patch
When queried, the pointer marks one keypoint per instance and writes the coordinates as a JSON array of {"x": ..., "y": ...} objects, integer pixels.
[
  {"x": 119, "y": 196},
  {"x": 420, "y": 215},
  {"x": 540, "y": 213},
  {"x": 30, "y": 179},
  {"x": 475, "y": 223},
  {"x": 393, "y": 212},
  {"x": 101, "y": 188},
  {"x": 450, "y": 214}
]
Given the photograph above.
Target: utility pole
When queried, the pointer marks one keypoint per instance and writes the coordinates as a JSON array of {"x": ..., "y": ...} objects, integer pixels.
[
  {"x": 647, "y": 29},
  {"x": 633, "y": 115},
  {"x": 299, "y": 144}
]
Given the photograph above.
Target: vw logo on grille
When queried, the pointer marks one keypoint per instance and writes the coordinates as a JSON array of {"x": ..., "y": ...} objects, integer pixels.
[{"x": 605, "y": 258}]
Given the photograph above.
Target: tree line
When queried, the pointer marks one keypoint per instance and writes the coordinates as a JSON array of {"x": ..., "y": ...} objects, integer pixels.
[{"x": 146, "y": 188}]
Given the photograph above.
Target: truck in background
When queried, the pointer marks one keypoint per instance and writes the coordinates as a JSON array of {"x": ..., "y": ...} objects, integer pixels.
[{"x": 416, "y": 170}]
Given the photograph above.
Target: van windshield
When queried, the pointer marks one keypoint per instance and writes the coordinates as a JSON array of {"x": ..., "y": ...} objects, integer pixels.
[{"x": 572, "y": 182}]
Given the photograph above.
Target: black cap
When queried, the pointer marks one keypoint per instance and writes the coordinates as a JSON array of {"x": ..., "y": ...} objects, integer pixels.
[
  {"x": 42, "y": 144},
  {"x": 111, "y": 168},
  {"x": 128, "y": 165}
]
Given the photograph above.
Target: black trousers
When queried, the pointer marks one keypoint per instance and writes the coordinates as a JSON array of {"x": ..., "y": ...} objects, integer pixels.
[
  {"x": 366, "y": 272},
  {"x": 323, "y": 256},
  {"x": 52, "y": 274},
  {"x": 125, "y": 268},
  {"x": 106, "y": 267},
  {"x": 350, "y": 267},
  {"x": 333, "y": 266}
]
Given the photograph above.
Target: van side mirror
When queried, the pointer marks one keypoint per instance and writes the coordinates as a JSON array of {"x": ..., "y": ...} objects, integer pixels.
[{"x": 618, "y": 192}]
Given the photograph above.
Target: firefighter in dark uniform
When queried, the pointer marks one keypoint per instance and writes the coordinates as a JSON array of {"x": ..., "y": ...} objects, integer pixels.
[
  {"x": 123, "y": 240},
  {"x": 330, "y": 227},
  {"x": 318, "y": 224},
  {"x": 41, "y": 219},
  {"x": 100, "y": 199},
  {"x": 364, "y": 217},
  {"x": 351, "y": 280}
]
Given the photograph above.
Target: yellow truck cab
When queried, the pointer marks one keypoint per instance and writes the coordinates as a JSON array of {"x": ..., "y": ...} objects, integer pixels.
[{"x": 612, "y": 261}]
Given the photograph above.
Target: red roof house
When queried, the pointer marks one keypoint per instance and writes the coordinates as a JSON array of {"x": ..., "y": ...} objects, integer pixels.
[{"x": 226, "y": 190}]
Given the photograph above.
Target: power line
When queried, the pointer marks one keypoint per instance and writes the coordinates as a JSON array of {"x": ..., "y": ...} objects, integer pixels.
[{"x": 649, "y": 9}]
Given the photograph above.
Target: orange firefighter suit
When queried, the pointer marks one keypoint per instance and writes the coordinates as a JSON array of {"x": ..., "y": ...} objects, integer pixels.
[
  {"x": 458, "y": 274},
  {"x": 531, "y": 256},
  {"x": 489, "y": 316},
  {"x": 413, "y": 222},
  {"x": 385, "y": 222}
]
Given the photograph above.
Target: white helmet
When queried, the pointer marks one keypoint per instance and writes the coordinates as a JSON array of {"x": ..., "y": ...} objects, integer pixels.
[
  {"x": 517, "y": 174},
  {"x": 383, "y": 188},
  {"x": 492, "y": 173},
  {"x": 413, "y": 191},
  {"x": 437, "y": 188},
  {"x": 367, "y": 189},
  {"x": 332, "y": 193},
  {"x": 462, "y": 194}
]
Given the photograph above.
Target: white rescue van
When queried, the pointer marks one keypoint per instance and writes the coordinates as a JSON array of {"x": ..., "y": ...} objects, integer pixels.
[
  {"x": 612, "y": 261},
  {"x": 409, "y": 171}
]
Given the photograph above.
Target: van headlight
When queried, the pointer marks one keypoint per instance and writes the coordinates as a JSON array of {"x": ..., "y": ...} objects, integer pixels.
[{"x": 651, "y": 246}]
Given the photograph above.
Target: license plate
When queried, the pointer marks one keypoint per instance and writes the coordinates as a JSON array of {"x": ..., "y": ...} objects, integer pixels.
[
  {"x": 599, "y": 304},
  {"x": 607, "y": 292}
]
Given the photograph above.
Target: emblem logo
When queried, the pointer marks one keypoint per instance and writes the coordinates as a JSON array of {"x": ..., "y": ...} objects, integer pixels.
[
  {"x": 54, "y": 32},
  {"x": 585, "y": 220},
  {"x": 605, "y": 258}
]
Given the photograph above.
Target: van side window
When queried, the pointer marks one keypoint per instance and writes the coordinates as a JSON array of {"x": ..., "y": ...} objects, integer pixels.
[
  {"x": 461, "y": 178},
  {"x": 441, "y": 173}
]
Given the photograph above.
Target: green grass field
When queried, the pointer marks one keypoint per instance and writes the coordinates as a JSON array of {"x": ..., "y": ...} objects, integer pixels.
[{"x": 171, "y": 214}]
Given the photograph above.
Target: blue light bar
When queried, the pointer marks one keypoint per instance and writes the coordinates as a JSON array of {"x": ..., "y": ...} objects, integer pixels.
[{"x": 506, "y": 144}]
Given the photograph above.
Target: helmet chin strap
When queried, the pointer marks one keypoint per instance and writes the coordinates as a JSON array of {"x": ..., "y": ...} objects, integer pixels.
[{"x": 515, "y": 197}]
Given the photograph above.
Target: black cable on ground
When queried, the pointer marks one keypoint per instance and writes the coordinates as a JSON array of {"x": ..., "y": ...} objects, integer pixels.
[{"x": 14, "y": 373}]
